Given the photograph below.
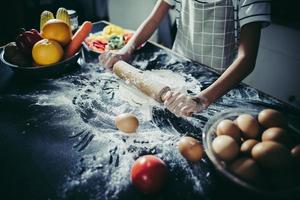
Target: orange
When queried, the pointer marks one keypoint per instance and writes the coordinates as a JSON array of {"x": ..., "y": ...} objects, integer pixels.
[
  {"x": 46, "y": 52},
  {"x": 58, "y": 30}
]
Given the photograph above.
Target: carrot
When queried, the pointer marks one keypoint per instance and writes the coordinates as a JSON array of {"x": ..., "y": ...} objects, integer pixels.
[{"x": 78, "y": 38}]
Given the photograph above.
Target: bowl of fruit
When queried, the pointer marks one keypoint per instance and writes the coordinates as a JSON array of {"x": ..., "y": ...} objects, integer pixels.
[
  {"x": 255, "y": 149},
  {"x": 53, "y": 50}
]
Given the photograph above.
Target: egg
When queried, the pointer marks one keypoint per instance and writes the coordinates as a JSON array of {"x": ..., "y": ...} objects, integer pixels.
[
  {"x": 190, "y": 148},
  {"x": 246, "y": 168},
  {"x": 228, "y": 127},
  {"x": 271, "y": 155},
  {"x": 275, "y": 134},
  {"x": 225, "y": 148},
  {"x": 127, "y": 122},
  {"x": 247, "y": 146},
  {"x": 271, "y": 118},
  {"x": 248, "y": 125},
  {"x": 295, "y": 152}
]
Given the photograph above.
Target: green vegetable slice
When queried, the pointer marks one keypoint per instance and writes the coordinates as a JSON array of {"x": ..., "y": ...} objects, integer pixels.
[{"x": 116, "y": 42}]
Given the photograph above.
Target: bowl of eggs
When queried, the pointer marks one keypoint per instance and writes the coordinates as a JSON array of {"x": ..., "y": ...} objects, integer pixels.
[{"x": 255, "y": 149}]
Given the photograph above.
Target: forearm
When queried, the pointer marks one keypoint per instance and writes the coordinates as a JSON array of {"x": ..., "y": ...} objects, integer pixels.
[
  {"x": 234, "y": 74},
  {"x": 241, "y": 67},
  {"x": 147, "y": 28}
]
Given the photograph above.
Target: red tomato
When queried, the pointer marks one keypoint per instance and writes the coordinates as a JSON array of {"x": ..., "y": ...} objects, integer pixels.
[{"x": 148, "y": 174}]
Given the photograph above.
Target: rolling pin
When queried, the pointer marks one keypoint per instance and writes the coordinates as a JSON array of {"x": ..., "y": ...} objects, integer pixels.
[{"x": 134, "y": 76}]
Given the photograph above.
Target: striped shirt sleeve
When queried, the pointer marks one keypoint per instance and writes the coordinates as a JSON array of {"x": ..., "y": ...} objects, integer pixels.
[
  {"x": 170, "y": 2},
  {"x": 254, "y": 11}
]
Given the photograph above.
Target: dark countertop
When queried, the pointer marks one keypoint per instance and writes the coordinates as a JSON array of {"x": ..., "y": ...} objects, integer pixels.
[{"x": 58, "y": 139}]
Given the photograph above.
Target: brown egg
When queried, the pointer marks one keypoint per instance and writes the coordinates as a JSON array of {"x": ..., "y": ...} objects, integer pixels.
[
  {"x": 127, "y": 122},
  {"x": 228, "y": 127},
  {"x": 225, "y": 148},
  {"x": 247, "y": 146},
  {"x": 271, "y": 118},
  {"x": 246, "y": 168},
  {"x": 271, "y": 155},
  {"x": 190, "y": 148},
  {"x": 248, "y": 125},
  {"x": 276, "y": 134},
  {"x": 295, "y": 152}
]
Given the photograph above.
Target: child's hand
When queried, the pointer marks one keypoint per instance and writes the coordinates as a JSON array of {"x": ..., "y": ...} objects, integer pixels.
[
  {"x": 109, "y": 58},
  {"x": 184, "y": 105}
]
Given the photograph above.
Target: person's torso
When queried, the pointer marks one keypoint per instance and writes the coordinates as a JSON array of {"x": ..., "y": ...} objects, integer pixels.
[{"x": 207, "y": 31}]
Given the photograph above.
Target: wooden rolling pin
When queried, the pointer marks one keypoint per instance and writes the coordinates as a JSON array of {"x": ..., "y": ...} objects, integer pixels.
[{"x": 134, "y": 76}]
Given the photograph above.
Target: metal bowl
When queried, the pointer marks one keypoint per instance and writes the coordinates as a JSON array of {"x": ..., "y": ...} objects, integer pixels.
[
  {"x": 47, "y": 71},
  {"x": 209, "y": 134}
]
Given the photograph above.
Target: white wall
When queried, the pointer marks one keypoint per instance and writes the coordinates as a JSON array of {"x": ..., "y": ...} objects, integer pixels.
[
  {"x": 277, "y": 68},
  {"x": 130, "y": 13}
]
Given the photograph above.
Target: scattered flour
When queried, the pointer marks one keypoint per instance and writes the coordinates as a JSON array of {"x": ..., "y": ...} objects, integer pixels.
[{"x": 86, "y": 104}]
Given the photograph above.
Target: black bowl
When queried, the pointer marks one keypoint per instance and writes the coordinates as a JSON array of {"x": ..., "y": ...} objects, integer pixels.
[{"x": 47, "y": 71}]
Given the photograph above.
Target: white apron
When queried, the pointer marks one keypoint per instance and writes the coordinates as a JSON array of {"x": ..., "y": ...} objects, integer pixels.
[{"x": 206, "y": 32}]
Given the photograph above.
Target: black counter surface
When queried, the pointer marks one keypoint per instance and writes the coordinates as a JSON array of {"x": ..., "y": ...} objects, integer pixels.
[{"x": 58, "y": 139}]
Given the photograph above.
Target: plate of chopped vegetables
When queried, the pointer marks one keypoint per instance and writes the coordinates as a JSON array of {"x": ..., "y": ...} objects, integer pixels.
[{"x": 112, "y": 37}]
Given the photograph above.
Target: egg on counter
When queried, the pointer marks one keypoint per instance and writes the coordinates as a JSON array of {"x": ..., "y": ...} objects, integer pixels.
[
  {"x": 190, "y": 148},
  {"x": 272, "y": 155},
  {"x": 271, "y": 118},
  {"x": 225, "y": 148},
  {"x": 127, "y": 122},
  {"x": 275, "y": 134},
  {"x": 228, "y": 127},
  {"x": 248, "y": 125},
  {"x": 247, "y": 146},
  {"x": 246, "y": 168}
]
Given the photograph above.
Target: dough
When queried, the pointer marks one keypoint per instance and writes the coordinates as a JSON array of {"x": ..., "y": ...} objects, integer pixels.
[{"x": 176, "y": 81}]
